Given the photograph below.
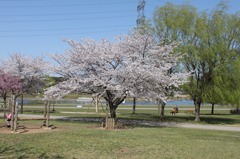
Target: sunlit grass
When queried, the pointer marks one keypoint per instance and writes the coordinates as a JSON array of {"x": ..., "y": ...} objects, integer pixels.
[
  {"x": 79, "y": 140},
  {"x": 221, "y": 116}
]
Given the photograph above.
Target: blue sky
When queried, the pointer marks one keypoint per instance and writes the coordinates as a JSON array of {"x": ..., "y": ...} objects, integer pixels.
[{"x": 38, "y": 27}]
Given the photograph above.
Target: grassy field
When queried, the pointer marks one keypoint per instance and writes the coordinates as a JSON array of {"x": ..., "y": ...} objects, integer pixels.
[
  {"x": 87, "y": 140},
  {"x": 221, "y": 114}
]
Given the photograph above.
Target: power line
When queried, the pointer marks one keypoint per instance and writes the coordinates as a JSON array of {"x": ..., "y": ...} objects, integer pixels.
[
  {"x": 67, "y": 5},
  {"x": 64, "y": 19},
  {"x": 62, "y": 29},
  {"x": 76, "y": 13},
  {"x": 37, "y": 35}
]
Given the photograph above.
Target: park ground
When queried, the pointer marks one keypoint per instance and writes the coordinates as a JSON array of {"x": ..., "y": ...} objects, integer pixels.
[
  {"x": 88, "y": 140},
  {"x": 77, "y": 133}
]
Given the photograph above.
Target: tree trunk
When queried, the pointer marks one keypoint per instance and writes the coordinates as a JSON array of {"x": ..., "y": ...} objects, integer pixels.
[
  {"x": 237, "y": 110},
  {"x": 48, "y": 114},
  {"x": 53, "y": 104},
  {"x": 159, "y": 109},
  {"x": 112, "y": 112},
  {"x": 134, "y": 105},
  {"x": 15, "y": 127},
  {"x": 45, "y": 113},
  {"x": 162, "y": 111},
  {"x": 13, "y": 102},
  {"x": 197, "y": 110},
  {"x": 96, "y": 103},
  {"x": 212, "y": 111},
  {"x": 113, "y": 102},
  {"x": 4, "y": 107},
  {"x": 22, "y": 104}
]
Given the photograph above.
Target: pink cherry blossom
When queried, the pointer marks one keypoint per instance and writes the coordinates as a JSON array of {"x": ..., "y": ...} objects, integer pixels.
[{"x": 133, "y": 65}]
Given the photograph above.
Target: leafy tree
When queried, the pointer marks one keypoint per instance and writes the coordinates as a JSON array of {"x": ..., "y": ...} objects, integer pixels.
[
  {"x": 211, "y": 41},
  {"x": 115, "y": 70},
  {"x": 232, "y": 83}
]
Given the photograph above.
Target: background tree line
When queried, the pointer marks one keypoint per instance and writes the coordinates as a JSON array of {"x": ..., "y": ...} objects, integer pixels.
[{"x": 211, "y": 41}]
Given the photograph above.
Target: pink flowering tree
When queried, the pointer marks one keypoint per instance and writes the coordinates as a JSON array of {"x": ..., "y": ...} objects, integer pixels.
[
  {"x": 9, "y": 84},
  {"x": 115, "y": 70},
  {"x": 30, "y": 70}
]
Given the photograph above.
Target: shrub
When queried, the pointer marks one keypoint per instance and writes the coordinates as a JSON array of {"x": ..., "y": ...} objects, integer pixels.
[{"x": 235, "y": 111}]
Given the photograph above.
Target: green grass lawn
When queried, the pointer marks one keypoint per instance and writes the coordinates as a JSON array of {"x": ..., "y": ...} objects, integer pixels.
[
  {"x": 220, "y": 116},
  {"x": 89, "y": 141}
]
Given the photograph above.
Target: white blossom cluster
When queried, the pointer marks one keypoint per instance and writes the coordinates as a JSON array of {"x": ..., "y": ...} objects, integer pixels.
[
  {"x": 133, "y": 65},
  {"x": 30, "y": 70}
]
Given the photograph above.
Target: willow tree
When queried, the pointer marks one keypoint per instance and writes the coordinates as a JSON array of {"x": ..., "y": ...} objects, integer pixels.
[{"x": 211, "y": 42}]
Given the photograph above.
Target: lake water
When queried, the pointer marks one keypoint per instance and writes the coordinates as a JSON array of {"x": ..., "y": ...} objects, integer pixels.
[
  {"x": 183, "y": 102},
  {"x": 169, "y": 103}
]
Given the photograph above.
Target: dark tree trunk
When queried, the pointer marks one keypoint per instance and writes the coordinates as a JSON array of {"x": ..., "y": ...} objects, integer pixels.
[
  {"x": 197, "y": 110},
  {"x": 53, "y": 104},
  {"x": 13, "y": 105},
  {"x": 112, "y": 109},
  {"x": 162, "y": 111},
  {"x": 5, "y": 106},
  {"x": 212, "y": 111},
  {"x": 22, "y": 104},
  {"x": 113, "y": 102},
  {"x": 112, "y": 112},
  {"x": 134, "y": 105},
  {"x": 237, "y": 110}
]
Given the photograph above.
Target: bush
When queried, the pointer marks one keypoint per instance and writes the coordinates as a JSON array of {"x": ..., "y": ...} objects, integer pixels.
[{"x": 235, "y": 111}]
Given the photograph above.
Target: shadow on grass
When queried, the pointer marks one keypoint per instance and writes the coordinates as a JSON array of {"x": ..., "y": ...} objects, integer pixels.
[
  {"x": 45, "y": 155},
  {"x": 220, "y": 120},
  {"x": 177, "y": 118},
  {"x": 122, "y": 123},
  {"x": 8, "y": 151},
  {"x": 143, "y": 116},
  {"x": 204, "y": 118},
  {"x": 139, "y": 119},
  {"x": 207, "y": 118}
]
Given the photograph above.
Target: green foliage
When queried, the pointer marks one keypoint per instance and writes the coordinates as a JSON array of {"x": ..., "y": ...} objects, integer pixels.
[
  {"x": 52, "y": 80},
  {"x": 211, "y": 43},
  {"x": 235, "y": 111}
]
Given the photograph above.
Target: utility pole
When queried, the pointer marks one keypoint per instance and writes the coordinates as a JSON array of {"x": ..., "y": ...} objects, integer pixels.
[{"x": 140, "y": 21}]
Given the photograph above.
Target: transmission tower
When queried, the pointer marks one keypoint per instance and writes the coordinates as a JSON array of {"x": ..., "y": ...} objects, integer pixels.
[
  {"x": 140, "y": 21},
  {"x": 140, "y": 9}
]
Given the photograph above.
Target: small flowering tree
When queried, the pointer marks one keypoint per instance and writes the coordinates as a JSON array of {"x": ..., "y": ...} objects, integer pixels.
[
  {"x": 30, "y": 71},
  {"x": 117, "y": 69},
  {"x": 8, "y": 84}
]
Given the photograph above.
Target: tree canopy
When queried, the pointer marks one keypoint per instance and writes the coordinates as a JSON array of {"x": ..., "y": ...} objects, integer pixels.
[
  {"x": 211, "y": 43},
  {"x": 114, "y": 70},
  {"x": 30, "y": 70}
]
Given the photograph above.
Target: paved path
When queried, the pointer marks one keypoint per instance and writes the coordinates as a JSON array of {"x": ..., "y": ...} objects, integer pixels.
[
  {"x": 182, "y": 108},
  {"x": 145, "y": 123},
  {"x": 210, "y": 127},
  {"x": 38, "y": 116}
]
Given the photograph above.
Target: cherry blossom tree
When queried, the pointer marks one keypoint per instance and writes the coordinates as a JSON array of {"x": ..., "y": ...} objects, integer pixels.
[
  {"x": 115, "y": 70},
  {"x": 30, "y": 70},
  {"x": 8, "y": 84}
]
